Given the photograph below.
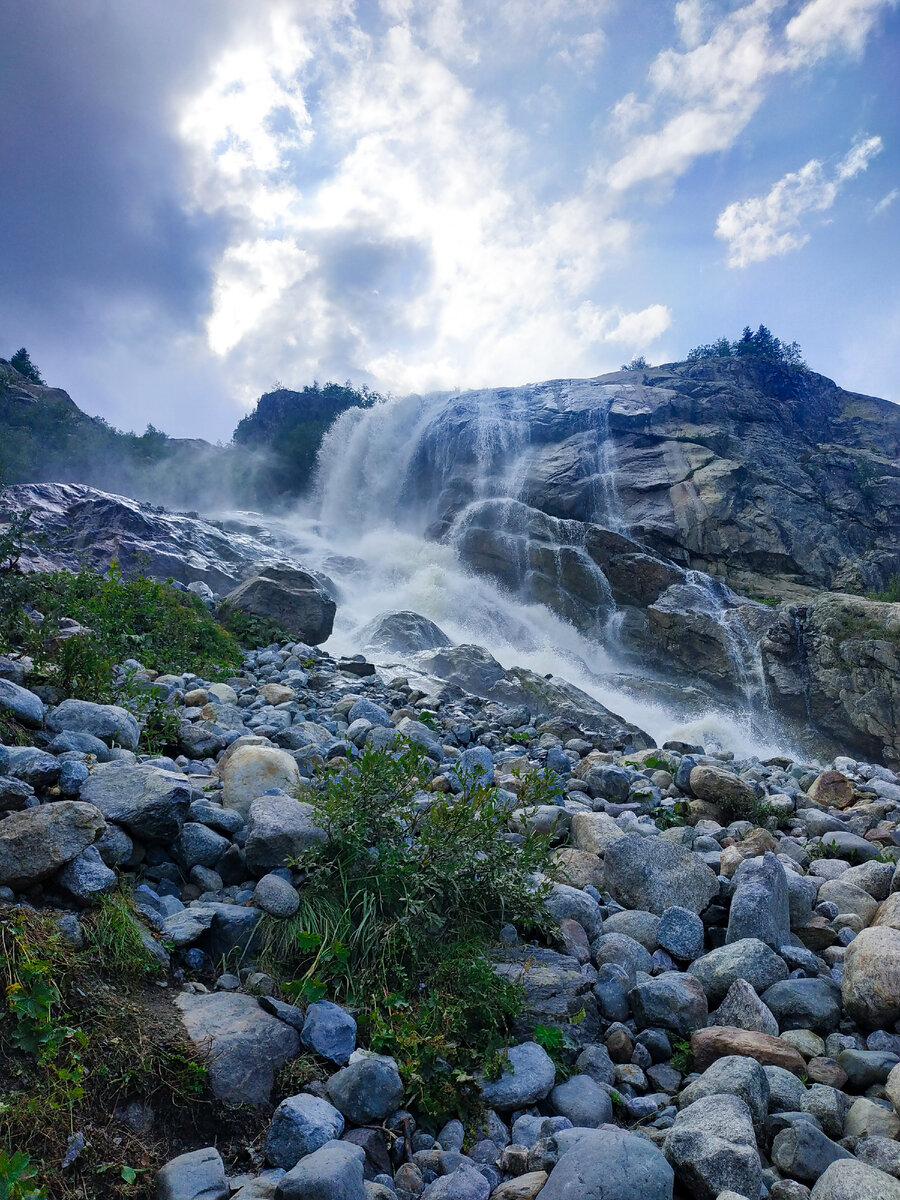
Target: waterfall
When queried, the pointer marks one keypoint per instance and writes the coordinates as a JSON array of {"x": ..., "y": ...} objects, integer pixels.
[{"x": 399, "y": 488}]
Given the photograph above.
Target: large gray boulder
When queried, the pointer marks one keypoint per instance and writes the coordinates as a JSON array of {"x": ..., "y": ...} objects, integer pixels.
[
  {"x": 712, "y": 1147},
  {"x": 528, "y": 1075},
  {"x": 197, "y": 1175},
  {"x": 610, "y": 1164},
  {"x": 245, "y": 1045},
  {"x": 35, "y": 843},
  {"x": 21, "y": 704},
  {"x": 293, "y": 598},
  {"x": 734, "y": 1075},
  {"x": 279, "y": 827},
  {"x": 111, "y": 724},
  {"x": 301, "y": 1125},
  {"x": 580, "y": 1098},
  {"x": 870, "y": 984},
  {"x": 748, "y": 959},
  {"x": 848, "y": 1179},
  {"x": 151, "y": 804},
  {"x": 804, "y": 1004},
  {"x": 651, "y": 873},
  {"x": 759, "y": 905},
  {"x": 333, "y": 1172},
  {"x": 402, "y": 633},
  {"x": 368, "y": 1089},
  {"x": 802, "y": 1151},
  {"x": 672, "y": 1001}
]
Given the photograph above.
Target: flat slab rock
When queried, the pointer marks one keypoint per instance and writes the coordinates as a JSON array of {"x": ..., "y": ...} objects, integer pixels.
[
  {"x": 717, "y": 1041},
  {"x": 245, "y": 1045}
]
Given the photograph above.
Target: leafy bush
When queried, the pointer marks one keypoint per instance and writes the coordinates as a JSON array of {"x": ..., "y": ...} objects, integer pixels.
[
  {"x": 400, "y": 907},
  {"x": 762, "y": 344},
  {"x": 891, "y": 594},
  {"x": 141, "y": 618}
]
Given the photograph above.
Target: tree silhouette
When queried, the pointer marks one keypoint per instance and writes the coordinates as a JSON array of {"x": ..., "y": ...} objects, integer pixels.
[{"x": 21, "y": 360}]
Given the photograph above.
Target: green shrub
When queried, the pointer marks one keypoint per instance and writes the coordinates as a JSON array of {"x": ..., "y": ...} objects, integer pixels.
[
  {"x": 141, "y": 618},
  {"x": 400, "y": 908},
  {"x": 891, "y": 594}
]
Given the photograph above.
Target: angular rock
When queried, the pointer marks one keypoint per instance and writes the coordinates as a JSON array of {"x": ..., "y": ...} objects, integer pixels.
[
  {"x": 712, "y": 1147},
  {"x": 87, "y": 877},
  {"x": 680, "y": 934},
  {"x": 734, "y": 1075},
  {"x": 804, "y": 1152},
  {"x": 293, "y": 598},
  {"x": 653, "y": 874},
  {"x": 245, "y": 1045},
  {"x": 724, "y": 789},
  {"x": 333, "y": 1172},
  {"x": 592, "y": 832},
  {"x": 300, "y": 1126},
  {"x": 610, "y": 1164},
  {"x": 197, "y": 1175},
  {"x": 368, "y": 1089},
  {"x": 150, "y": 804},
  {"x": 715, "y": 1042},
  {"x": 748, "y": 959},
  {"x": 670, "y": 1001},
  {"x": 759, "y": 906},
  {"x": 743, "y": 1009},
  {"x": 528, "y": 1076},
  {"x": 35, "y": 843},
  {"x": 330, "y": 1031},
  {"x": 831, "y": 789},
  {"x": 279, "y": 828}
]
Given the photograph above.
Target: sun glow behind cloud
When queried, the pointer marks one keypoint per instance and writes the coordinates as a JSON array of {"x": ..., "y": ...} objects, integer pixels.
[{"x": 392, "y": 220}]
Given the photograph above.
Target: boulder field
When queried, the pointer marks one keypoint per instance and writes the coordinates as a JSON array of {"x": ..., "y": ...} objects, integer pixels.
[{"x": 723, "y": 967}]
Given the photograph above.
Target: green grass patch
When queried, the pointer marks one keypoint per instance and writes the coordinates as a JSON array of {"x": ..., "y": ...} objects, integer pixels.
[
  {"x": 112, "y": 933},
  {"x": 400, "y": 909}
]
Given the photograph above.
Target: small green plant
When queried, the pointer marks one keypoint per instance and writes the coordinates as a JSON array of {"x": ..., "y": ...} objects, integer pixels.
[
  {"x": 250, "y": 630},
  {"x": 157, "y": 716},
  {"x": 113, "y": 936},
  {"x": 18, "y": 1177},
  {"x": 671, "y": 817},
  {"x": 400, "y": 907},
  {"x": 682, "y": 1058},
  {"x": 520, "y": 736},
  {"x": 428, "y": 718},
  {"x": 891, "y": 594}
]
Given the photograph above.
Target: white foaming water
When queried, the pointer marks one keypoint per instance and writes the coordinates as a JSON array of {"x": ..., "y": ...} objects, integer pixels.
[{"x": 380, "y": 475}]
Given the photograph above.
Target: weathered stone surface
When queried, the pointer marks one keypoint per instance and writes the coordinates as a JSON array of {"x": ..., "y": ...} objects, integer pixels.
[
  {"x": 870, "y": 984},
  {"x": 653, "y": 874},
  {"x": 610, "y": 1164},
  {"x": 528, "y": 1076},
  {"x": 831, "y": 789},
  {"x": 712, "y": 1147},
  {"x": 749, "y": 959},
  {"x": 402, "y": 633},
  {"x": 197, "y": 1175},
  {"x": 37, "y": 842},
  {"x": 804, "y": 1004},
  {"x": 850, "y": 1180},
  {"x": 150, "y": 804},
  {"x": 717, "y": 1041},
  {"x": 300, "y": 1126},
  {"x": 671, "y": 1001},
  {"x": 804, "y": 1152},
  {"x": 368, "y": 1089},
  {"x": 723, "y": 788},
  {"x": 333, "y": 1172},
  {"x": 743, "y": 1009},
  {"x": 279, "y": 828},
  {"x": 733, "y": 1075},
  {"x": 593, "y": 832},
  {"x": 759, "y": 907},
  {"x": 245, "y": 1045},
  {"x": 253, "y": 770},
  {"x": 290, "y": 596},
  {"x": 108, "y": 722}
]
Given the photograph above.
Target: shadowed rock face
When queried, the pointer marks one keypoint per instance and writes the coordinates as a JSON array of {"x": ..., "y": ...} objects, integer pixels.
[{"x": 771, "y": 478}]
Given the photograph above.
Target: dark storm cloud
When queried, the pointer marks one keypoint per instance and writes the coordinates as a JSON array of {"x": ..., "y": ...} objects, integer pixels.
[{"x": 90, "y": 186}]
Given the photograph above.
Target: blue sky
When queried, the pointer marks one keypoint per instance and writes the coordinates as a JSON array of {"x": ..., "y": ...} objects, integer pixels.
[{"x": 200, "y": 199}]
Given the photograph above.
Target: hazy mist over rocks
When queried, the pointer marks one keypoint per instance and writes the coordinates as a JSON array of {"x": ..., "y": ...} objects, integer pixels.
[{"x": 425, "y": 196}]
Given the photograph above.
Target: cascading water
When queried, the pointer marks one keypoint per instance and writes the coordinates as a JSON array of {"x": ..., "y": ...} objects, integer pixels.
[{"x": 398, "y": 486}]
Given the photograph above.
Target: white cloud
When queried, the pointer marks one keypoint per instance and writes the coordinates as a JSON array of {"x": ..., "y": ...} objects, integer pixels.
[
  {"x": 885, "y": 202},
  {"x": 825, "y": 25},
  {"x": 633, "y": 329},
  {"x": 703, "y": 97},
  {"x": 386, "y": 231},
  {"x": 765, "y": 226}
]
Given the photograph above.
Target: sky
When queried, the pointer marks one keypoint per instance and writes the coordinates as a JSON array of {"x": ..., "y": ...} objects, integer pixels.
[{"x": 202, "y": 198}]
